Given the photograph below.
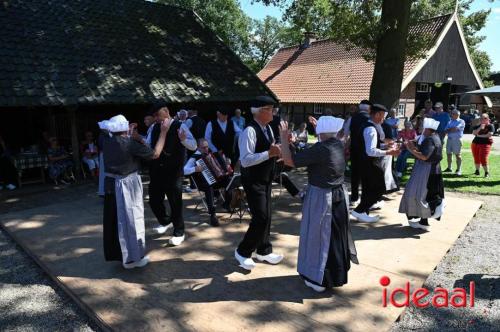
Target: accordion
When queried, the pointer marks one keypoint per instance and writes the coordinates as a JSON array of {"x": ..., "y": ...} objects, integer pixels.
[{"x": 214, "y": 168}]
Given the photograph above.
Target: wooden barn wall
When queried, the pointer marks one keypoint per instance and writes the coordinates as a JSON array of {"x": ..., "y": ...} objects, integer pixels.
[{"x": 450, "y": 59}]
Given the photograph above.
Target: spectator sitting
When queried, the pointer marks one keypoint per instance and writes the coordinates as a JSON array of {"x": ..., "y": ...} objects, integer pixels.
[
  {"x": 60, "y": 164},
  {"x": 90, "y": 154},
  {"x": 301, "y": 136},
  {"x": 405, "y": 135},
  {"x": 8, "y": 172}
]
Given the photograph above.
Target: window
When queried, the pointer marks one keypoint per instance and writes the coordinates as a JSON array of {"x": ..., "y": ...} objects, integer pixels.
[
  {"x": 401, "y": 110},
  {"x": 318, "y": 108},
  {"x": 422, "y": 87}
]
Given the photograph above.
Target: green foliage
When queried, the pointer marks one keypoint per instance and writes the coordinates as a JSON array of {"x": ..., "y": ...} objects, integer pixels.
[
  {"x": 267, "y": 36},
  {"x": 357, "y": 22},
  {"x": 225, "y": 18}
]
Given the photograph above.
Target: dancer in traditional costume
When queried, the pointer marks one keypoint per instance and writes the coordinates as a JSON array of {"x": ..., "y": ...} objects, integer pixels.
[
  {"x": 166, "y": 175},
  {"x": 326, "y": 247},
  {"x": 123, "y": 217},
  {"x": 424, "y": 193},
  {"x": 373, "y": 171},
  {"x": 258, "y": 153}
]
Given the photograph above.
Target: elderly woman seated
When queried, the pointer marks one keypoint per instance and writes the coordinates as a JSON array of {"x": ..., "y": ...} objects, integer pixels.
[{"x": 60, "y": 164}]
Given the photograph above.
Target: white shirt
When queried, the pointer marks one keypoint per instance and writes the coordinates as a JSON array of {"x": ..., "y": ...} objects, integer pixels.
[
  {"x": 223, "y": 126},
  {"x": 189, "y": 142},
  {"x": 370, "y": 137},
  {"x": 190, "y": 166},
  {"x": 247, "y": 142},
  {"x": 148, "y": 135}
]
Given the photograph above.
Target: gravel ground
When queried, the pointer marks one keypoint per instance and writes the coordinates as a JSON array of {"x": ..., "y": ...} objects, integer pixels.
[
  {"x": 29, "y": 300},
  {"x": 474, "y": 257}
]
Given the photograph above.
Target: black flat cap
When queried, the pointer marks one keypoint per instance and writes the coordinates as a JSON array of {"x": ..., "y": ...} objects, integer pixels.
[
  {"x": 366, "y": 102},
  {"x": 157, "y": 106},
  {"x": 378, "y": 108},
  {"x": 262, "y": 101},
  {"x": 223, "y": 111}
]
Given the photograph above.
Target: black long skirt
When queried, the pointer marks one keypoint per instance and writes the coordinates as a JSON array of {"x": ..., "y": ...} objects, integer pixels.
[
  {"x": 341, "y": 251},
  {"x": 111, "y": 242}
]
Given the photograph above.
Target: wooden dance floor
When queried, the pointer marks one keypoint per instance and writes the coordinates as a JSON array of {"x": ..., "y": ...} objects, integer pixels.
[{"x": 198, "y": 285}]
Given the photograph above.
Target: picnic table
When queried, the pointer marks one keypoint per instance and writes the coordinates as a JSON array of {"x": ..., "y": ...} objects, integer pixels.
[{"x": 24, "y": 161}]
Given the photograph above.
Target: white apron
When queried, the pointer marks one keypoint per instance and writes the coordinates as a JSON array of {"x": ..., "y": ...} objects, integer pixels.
[{"x": 130, "y": 215}]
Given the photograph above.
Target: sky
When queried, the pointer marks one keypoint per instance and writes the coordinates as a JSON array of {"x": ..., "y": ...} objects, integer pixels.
[{"x": 491, "y": 44}]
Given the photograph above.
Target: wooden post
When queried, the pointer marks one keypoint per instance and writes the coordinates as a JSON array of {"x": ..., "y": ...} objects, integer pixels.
[{"x": 74, "y": 140}]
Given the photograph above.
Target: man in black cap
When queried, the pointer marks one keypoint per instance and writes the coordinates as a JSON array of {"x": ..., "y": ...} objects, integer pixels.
[
  {"x": 258, "y": 154},
  {"x": 356, "y": 124},
  {"x": 166, "y": 174},
  {"x": 220, "y": 134},
  {"x": 372, "y": 168}
]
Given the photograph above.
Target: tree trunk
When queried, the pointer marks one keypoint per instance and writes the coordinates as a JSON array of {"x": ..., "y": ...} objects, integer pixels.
[{"x": 391, "y": 50}]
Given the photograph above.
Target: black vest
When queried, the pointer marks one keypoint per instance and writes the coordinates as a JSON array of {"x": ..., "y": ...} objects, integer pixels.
[
  {"x": 356, "y": 128},
  {"x": 224, "y": 141},
  {"x": 373, "y": 161},
  {"x": 173, "y": 155},
  {"x": 437, "y": 155},
  {"x": 198, "y": 127},
  {"x": 263, "y": 172}
]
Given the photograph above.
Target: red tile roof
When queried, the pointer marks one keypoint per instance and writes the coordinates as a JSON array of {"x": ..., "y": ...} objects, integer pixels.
[{"x": 327, "y": 72}]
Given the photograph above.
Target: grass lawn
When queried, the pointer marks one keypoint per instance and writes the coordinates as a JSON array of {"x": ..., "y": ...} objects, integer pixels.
[{"x": 468, "y": 182}]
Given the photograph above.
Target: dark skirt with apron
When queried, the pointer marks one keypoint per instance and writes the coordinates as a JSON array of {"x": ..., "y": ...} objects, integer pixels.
[
  {"x": 123, "y": 224},
  {"x": 423, "y": 192},
  {"x": 326, "y": 247}
]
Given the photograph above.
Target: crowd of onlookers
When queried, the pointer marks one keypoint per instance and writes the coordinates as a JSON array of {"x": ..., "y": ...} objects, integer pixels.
[{"x": 453, "y": 124}]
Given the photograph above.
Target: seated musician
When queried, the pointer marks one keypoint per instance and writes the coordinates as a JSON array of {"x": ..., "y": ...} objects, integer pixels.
[{"x": 192, "y": 169}]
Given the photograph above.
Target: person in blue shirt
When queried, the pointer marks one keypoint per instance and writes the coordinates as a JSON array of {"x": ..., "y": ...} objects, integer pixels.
[
  {"x": 238, "y": 120},
  {"x": 443, "y": 118},
  {"x": 455, "y": 130}
]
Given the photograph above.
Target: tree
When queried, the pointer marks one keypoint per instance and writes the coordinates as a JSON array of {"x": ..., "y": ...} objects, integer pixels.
[
  {"x": 225, "y": 18},
  {"x": 380, "y": 28},
  {"x": 267, "y": 36}
]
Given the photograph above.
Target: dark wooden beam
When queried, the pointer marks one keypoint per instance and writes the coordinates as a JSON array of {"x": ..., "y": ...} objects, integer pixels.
[{"x": 75, "y": 146}]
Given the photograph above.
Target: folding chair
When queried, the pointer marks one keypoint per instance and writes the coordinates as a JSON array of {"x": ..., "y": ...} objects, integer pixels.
[
  {"x": 201, "y": 194},
  {"x": 238, "y": 202}
]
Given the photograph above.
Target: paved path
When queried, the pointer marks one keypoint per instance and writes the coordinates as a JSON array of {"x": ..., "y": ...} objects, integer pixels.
[{"x": 198, "y": 287}]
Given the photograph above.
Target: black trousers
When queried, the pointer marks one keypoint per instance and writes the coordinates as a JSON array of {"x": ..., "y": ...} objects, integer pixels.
[
  {"x": 167, "y": 183},
  {"x": 257, "y": 235},
  {"x": 209, "y": 192},
  {"x": 355, "y": 175},
  {"x": 372, "y": 180}
]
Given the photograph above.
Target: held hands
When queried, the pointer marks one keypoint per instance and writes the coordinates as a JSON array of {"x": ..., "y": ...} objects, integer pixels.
[
  {"x": 274, "y": 151},
  {"x": 313, "y": 121},
  {"x": 165, "y": 125},
  {"x": 283, "y": 128},
  {"x": 182, "y": 135}
]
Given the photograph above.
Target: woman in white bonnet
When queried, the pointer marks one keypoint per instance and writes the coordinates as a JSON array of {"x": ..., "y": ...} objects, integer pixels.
[
  {"x": 123, "y": 216},
  {"x": 326, "y": 247}
]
